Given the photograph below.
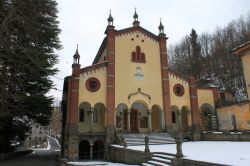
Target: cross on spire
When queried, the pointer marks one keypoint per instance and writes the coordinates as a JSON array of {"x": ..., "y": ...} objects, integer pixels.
[{"x": 110, "y": 19}]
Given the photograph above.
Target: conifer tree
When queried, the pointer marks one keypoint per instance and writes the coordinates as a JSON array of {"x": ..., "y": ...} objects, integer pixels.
[{"x": 28, "y": 38}]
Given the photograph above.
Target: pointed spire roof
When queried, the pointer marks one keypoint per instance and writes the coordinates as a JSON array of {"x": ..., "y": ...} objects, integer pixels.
[
  {"x": 110, "y": 19},
  {"x": 136, "y": 22},
  {"x": 161, "y": 28},
  {"x": 77, "y": 55},
  {"x": 135, "y": 15}
]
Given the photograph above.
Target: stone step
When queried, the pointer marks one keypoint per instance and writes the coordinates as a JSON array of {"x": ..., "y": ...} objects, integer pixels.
[
  {"x": 157, "y": 163},
  {"x": 163, "y": 156},
  {"x": 146, "y": 164},
  {"x": 161, "y": 160}
]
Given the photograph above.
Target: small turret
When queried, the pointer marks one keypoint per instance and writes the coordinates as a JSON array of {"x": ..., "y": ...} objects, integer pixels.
[
  {"x": 136, "y": 22},
  {"x": 161, "y": 28},
  {"x": 76, "y": 57},
  {"x": 110, "y": 19}
]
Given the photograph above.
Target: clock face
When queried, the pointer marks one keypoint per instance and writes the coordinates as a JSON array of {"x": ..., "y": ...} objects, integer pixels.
[{"x": 92, "y": 84}]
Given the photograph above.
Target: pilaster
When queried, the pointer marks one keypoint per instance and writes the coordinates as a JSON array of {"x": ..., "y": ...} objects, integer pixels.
[
  {"x": 195, "y": 112},
  {"x": 110, "y": 32},
  {"x": 165, "y": 80}
]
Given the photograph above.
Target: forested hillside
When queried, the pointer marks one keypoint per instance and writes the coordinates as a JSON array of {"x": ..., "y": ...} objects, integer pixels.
[{"x": 207, "y": 56}]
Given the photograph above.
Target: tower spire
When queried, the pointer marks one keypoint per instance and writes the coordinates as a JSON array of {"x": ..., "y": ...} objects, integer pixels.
[
  {"x": 76, "y": 57},
  {"x": 161, "y": 28},
  {"x": 136, "y": 22},
  {"x": 110, "y": 19}
]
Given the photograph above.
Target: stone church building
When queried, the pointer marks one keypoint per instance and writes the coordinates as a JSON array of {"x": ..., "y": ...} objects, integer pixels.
[{"x": 129, "y": 88}]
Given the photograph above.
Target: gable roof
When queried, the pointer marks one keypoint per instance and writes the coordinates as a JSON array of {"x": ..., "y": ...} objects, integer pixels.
[
  {"x": 121, "y": 32},
  {"x": 179, "y": 75},
  {"x": 101, "y": 49},
  {"x": 138, "y": 28},
  {"x": 241, "y": 49}
]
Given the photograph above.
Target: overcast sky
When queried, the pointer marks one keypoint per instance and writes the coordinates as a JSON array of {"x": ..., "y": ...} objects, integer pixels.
[{"x": 83, "y": 22}]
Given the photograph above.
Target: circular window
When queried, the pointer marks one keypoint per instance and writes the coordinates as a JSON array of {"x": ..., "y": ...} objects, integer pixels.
[
  {"x": 92, "y": 84},
  {"x": 179, "y": 90}
]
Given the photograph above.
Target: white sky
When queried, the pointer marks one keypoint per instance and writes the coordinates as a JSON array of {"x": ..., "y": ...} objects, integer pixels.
[{"x": 83, "y": 22}]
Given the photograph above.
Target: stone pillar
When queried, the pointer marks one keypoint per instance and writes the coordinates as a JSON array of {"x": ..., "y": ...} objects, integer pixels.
[
  {"x": 146, "y": 139},
  {"x": 128, "y": 121},
  {"x": 91, "y": 151},
  {"x": 149, "y": 121},
  {"x": 92, "y": 120},
  {"x": 178, "y": 141},
  {"x": 73, "y": 147},
  {"x": 179, "y": 120}
]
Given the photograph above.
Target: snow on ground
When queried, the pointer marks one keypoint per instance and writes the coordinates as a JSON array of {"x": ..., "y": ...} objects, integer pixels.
[
  {"x": 223, "y": 152},
  {"x": 96, "y": 163},
  {"x": 47, "y": 148}
]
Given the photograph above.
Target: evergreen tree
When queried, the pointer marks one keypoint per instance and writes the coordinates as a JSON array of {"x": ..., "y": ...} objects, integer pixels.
[
  {"x": 208, "y": 56},
  {"x": 28, "y": 38},
  {"x": 196, "y": 59}
]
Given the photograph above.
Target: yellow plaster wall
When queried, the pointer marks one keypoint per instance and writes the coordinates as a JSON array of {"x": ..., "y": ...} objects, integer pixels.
[
  {"x": 205, "y": 96},
  {"x": 246, "y": 66},
  {"x": 242, "y": 116},
  {"x": 179, "y": 101},
  {"x": 125, "y": 70},
  {"x": 92, "y": 98}
]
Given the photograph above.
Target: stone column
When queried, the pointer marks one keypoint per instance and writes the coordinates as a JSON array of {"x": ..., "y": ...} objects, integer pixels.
[
  {"x": 91, "y": 120},
  {"x": 128, "y": 121},
  {"x": 180, "y": 121},
  {"x": 149, "y": 121},
  {"x": 91, "y": 151}
]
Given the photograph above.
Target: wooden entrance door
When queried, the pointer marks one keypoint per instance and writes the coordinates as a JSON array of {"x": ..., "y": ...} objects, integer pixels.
[{"x": 134, "y": 121}]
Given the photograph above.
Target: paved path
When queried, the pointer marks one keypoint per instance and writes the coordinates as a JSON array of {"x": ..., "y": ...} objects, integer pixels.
[{"x": 40, "y": 157}]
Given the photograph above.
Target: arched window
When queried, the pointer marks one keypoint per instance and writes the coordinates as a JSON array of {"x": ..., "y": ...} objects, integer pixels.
[
  {"x": 138, "y": 56},
  {"x": 81, "y": 115},
  {"x": 173, "y": 117},
  {"x": 95, "y": 115}
]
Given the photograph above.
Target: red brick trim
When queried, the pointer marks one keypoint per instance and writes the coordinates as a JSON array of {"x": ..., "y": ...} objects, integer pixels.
[
  {"x": 194, "y": 102},
  {"x": 93, "y": 67},
  {"x": 138, "y": 56},
  {"x": 178, "y": 90},
  {"x": 140, "y": 29},
  {"x": 165, "y": 81},
  {"x": 110, "y": 77},
  {"x": 87, "y": 84}
]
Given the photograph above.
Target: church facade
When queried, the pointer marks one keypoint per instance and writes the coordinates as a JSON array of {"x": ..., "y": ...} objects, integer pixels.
[{"x": 129, "y": 88}]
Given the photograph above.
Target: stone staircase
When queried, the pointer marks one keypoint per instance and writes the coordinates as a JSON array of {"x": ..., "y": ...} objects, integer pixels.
[
  {"x": 160, "y": 159},
  {"x": 154, "y": 139}
]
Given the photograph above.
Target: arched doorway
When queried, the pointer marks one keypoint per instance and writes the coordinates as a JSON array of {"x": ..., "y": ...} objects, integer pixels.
[
  {"x": 84, "y": 150},
  {"x": 175, "y": 118},
  {"x": 134, "y": 121},
  {"x": 156, "y": 118},
  {"x": 98, "y": 149},
  {"x": 184, "y": 119},
  {"x": 138, "y": 112},
  {"x": 99, "y": 117},
  {"x": 121, "y": 116},
  {"x": 206, "y": 114}
]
